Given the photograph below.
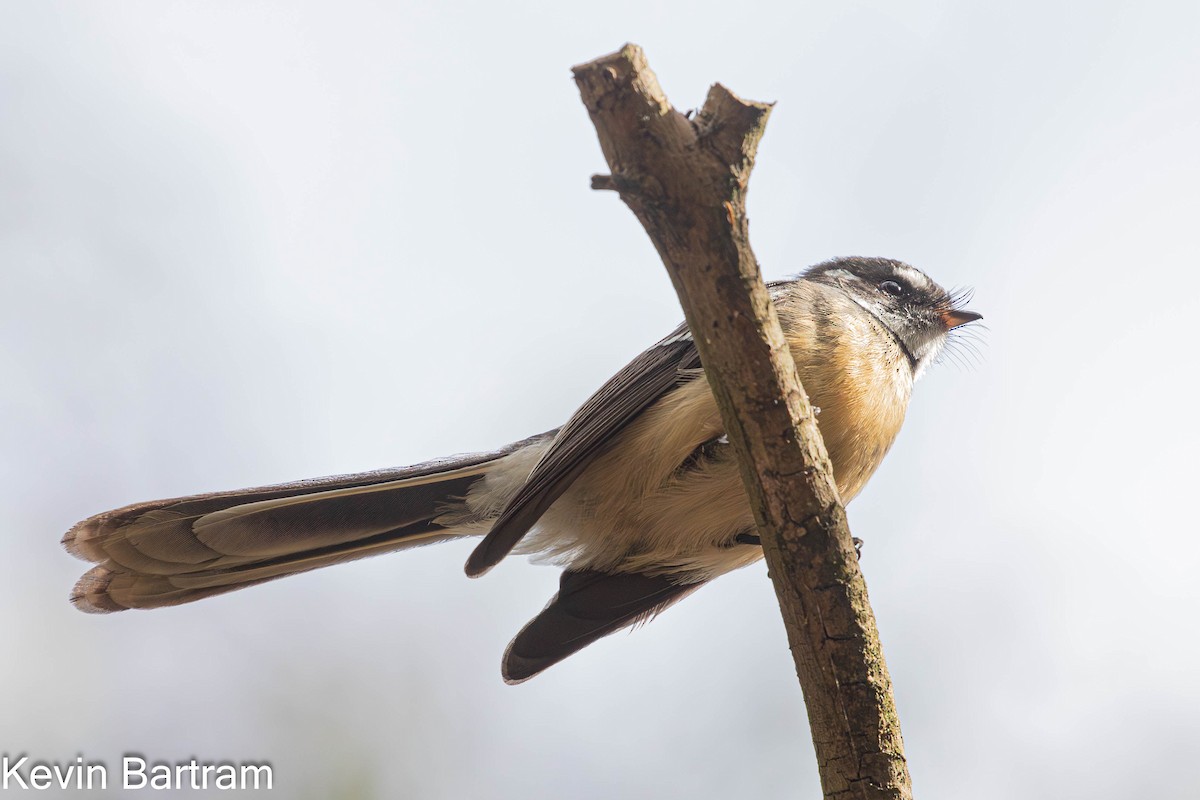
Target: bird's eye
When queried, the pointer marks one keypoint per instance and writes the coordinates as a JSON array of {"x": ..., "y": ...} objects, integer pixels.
[{"x": 892, "y": 288}]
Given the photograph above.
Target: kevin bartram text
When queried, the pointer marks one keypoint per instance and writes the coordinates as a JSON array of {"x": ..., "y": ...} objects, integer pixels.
[{"x": 136, "y": 772}]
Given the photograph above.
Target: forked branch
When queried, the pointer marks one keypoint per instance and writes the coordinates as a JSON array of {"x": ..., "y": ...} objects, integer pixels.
[{"x": 686, "y": 179}]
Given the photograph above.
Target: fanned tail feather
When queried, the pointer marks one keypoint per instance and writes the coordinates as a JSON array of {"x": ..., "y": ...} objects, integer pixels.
[{"x": 168, "y": 552}]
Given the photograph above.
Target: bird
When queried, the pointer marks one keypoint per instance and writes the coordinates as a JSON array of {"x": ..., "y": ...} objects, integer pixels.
[{"x": 637, "y": 497}]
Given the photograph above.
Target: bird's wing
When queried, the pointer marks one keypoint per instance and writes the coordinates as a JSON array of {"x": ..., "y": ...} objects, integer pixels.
[
  {"x": 589, "y": 605},
  {"x": 618, "y": 402}
]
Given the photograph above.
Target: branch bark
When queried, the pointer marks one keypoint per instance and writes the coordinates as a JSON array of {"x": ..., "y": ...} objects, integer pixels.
[{"x": 686, "y": 180}]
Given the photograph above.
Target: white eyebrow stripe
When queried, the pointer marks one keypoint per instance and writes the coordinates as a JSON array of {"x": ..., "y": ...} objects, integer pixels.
[{"x": 915, "y": 276}]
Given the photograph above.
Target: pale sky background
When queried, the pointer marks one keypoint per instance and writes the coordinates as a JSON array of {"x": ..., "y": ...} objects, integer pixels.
[{"x": 247, "y": 242}]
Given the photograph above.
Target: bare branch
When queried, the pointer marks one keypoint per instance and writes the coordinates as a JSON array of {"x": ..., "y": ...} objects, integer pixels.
[{"x": 686, "y": 181}]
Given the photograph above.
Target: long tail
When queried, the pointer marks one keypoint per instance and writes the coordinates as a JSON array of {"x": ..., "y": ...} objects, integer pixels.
[{"x": 168, "y": 552}]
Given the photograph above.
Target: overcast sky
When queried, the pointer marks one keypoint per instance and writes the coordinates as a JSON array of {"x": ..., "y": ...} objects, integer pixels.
[{"x": 247, "y": 242}]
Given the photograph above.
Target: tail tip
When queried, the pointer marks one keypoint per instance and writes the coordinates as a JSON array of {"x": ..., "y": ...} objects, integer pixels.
[
  {"x": 80, "y": 540},
  {"x": 91, "y": 595}
]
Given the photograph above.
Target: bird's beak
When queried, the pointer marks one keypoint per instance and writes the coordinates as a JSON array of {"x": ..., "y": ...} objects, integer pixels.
[{"x": 954, "y": 319}]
